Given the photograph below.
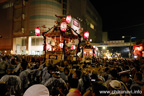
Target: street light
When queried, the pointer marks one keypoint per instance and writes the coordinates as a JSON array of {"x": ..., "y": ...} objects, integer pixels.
[{"x": 104, "y": 47}]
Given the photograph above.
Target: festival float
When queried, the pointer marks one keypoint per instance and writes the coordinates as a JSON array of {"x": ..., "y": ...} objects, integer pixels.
[
  {"x": 88, "y": 50},
  {"x": 62, "y": 42}
]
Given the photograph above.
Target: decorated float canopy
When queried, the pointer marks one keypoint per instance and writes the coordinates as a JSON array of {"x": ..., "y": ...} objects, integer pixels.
[
  {"x": 63, "y": 37},
  {"x": 64, "y": 29},
  {"x": 88, "y": 50}
]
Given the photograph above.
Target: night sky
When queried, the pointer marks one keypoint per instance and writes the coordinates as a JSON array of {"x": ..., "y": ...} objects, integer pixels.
[{"x": 121, "y": 18}]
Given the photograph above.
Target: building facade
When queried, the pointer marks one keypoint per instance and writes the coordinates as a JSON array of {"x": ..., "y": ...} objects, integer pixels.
[{"x": 21, "y": 17}]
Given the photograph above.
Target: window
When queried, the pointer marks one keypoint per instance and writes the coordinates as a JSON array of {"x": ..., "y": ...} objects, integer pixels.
[
  {"x": 37, "y": 41},
  {"x": 33, "y": 42},
  {"x": 91, "y": 26},
  {"x": 24, "y": 42}
]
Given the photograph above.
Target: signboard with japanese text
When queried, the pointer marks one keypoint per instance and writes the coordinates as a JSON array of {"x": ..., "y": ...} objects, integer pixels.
[{"x": 75, "y": 24}]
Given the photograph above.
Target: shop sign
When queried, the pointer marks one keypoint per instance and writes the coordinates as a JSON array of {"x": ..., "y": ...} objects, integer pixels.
[{"x": 75, "y": 23}]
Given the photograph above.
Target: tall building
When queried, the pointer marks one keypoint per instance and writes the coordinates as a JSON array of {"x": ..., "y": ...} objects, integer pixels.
[
  {"x": 90, "y": 20},
  {"x": 20, "y": 18}
]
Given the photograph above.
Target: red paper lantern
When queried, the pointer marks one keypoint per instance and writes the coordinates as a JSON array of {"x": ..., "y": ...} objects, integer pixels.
[
  {"x": 86, "y": 35},
  {"x": 61, "y": 45},
  {"x": 37, "y": 31},
  {"x": 73, "y": 47},
  {"x": 48, "y": 47},
  {"x": 63, "y": 26},
  {"x": 68, "y": 18}
]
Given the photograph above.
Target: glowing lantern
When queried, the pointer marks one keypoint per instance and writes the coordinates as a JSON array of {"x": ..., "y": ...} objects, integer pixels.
[
  {"x": 61, "y": 45},
  {"x": 63, "y": 26},
  {"x": 86, "y": 35},
  {"x": 90, "y": 52},
  {"x": 84, "y": 52},
  {"x": 68, "y": 18},
  {"x": 37, "y": 31},
  {"x": 49, "y": 47},
  {"x": 73, "y": 47},
  {"x": 94, "y": 47},
  {"x": 90, "y": 40}
]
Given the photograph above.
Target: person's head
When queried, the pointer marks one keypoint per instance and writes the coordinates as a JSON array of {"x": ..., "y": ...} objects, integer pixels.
[
  {"x": 124, "y": 77},
  {"x": 37, "y": 62},
  {"x": 50, "y": 68},
  {"x": 24, "y": 64},
  {"x": 66, "y": 71},
  {"x": 3, "y": 58},
  {"x": 138, "y": 76},
  {"x": 94, "y": 77},
  {"x": 73, "y": 83},
  {"x": 33, "y": 60},
  {"x": 55, "y": 72},
  {"x": 126, "y": 67},
  {"x": 13, "y": 61},
  {"x": 96, "y": 88},
  {"x": 113, "y": 73},
  {"x": 114, "y": 85},
  {"x": 76, "y": 74}
]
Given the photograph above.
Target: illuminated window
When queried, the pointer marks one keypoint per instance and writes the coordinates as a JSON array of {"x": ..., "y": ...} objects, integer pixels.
[{"x": 91, "y": 26}]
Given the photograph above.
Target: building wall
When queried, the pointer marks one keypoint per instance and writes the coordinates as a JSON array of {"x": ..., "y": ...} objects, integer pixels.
[
  {"x": 105, "y": 36},
  {"x": 5, "y": 26},
  {"x": 21, "y": 19},
  {"x": 42, "y": 12},
  {"x": 84, "y": 11}
]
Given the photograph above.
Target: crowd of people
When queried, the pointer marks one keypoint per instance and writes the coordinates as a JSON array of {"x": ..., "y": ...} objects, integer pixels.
[{"x": 106, "y": 77}]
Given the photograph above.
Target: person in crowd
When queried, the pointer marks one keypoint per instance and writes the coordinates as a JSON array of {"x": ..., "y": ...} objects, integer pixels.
[
  {"x": 113, "y": 76},
  {"x": 137, "y": 84},
  {"x": 3, "y": 88},
  {"x": 64, "y": 74},
  {"x": 3, "y": 66},
  {"x": 96, "y": 86},
  {"x": 13, "y": 82},
  {"x": 84, "y": 82},
  {"x": 25, "y": 75},
  {"x": 18, "y": 62},
  {"x": 55, "y": 84},
  {"x": 125, "y": 82},
  {"x": 115, "y": 88},
  {"x": 46, "y": 73},
  {"x": 73, "y": 91}
]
